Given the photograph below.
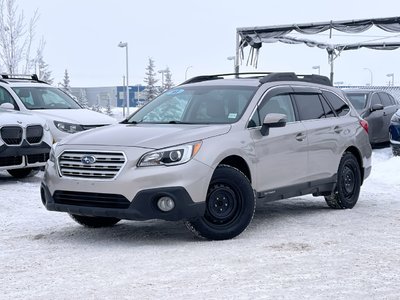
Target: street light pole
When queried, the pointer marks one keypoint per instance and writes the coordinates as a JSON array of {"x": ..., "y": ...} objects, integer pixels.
[
  {"x": 391, "y": 75},
  {"x": 234, "y": 62},
  {"x": 162, "y": 77},
  {"x": 187, "y": 71},
  {"x": 125, "y": 45},
  {"x": 319, "y": 69},
  {"x": 371, "y": 76}
]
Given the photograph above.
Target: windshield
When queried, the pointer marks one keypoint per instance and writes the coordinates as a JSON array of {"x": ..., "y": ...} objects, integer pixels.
[
  {"x": 359, "y": 100},
  {"x": 196, "y": 105},
  {"x": 45, "y": 98}
]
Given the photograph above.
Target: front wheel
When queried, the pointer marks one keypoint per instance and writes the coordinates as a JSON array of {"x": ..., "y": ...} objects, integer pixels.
[
  {"x": 94, "y": 222},
  {"x": 230, "y": 206},
  {"x": 348, "y": 183}
]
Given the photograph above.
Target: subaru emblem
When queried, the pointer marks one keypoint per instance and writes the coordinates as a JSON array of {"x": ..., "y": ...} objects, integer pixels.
[{"x": 88, "y": 159}]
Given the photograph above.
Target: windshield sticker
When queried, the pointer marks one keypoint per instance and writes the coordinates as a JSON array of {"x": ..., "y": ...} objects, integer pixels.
[
  {"x": 232, "y": 115},
  {"x": 175, "y": 92}
]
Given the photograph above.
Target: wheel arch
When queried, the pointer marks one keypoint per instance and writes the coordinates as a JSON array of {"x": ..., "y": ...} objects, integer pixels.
[
  {"x": 353, "y": 150},
  {"x": 239, "y": 163}
]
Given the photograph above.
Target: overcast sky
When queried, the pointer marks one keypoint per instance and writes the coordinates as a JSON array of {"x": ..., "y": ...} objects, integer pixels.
[{"x": 82, "y": 36}]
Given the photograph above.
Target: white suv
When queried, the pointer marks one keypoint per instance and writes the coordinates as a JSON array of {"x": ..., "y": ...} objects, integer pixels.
[
  {"x": 62, "y": 113},
  {"x": 25, "y": 143}
]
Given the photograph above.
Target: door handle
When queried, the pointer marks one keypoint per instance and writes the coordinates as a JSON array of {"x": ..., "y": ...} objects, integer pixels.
[
  {"x": 338, "y": 129},
  {"x": 384, "y": 113},
  {"x": 300, "y": 136}
]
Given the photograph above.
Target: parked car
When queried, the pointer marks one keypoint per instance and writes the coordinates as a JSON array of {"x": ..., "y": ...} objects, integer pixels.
[
  {"x": 394, "y": 130},
  {"x": 206, "y": 150},
  {"x": 377, "y": 108},
  {"x": 25, "y": 143},
  {"x": 62, "y": 113}
]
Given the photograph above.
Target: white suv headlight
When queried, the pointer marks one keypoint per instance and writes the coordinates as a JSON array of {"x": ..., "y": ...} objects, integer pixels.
[
  {"x": 170, "y": 156},
  {"x": 68, "y": 127}
]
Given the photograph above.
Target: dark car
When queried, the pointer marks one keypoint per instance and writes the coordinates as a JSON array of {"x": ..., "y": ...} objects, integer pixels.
[
  {"x": 394, "y": 132},
  {"x": 377, "y": 108}
]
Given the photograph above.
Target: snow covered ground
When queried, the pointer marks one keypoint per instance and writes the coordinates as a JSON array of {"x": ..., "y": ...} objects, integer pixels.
[{"x": 294, "y": 249}]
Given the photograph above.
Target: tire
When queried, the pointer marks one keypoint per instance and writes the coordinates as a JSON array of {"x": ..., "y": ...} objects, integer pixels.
[
  {"x": 348, "y": 183},
  {"x": 94, "y": 222},
  {"x": 230, "y": 206},
  {"x": 396, "y": 151},
  {"x": 22, "y": 173}
]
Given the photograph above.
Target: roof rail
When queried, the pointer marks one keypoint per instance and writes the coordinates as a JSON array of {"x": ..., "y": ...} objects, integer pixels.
[
  {"x": 32, "y": 77},
  {"x": 318, "y": 79},
  {"x": 222, "y": 76}
]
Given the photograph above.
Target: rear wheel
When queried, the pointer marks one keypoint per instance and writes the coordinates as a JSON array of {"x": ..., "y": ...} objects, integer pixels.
[
  {"x": 348, "y": 183},
  {"x": 22, "y": 173},
  {"x": 94, "y": 222},
  {"x": 230, "y": 206}
]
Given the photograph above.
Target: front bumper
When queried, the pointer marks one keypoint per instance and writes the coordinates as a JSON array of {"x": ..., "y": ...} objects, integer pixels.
[
  {"x": 142, "y": 207},
  {"x": 24, "y": 155}
]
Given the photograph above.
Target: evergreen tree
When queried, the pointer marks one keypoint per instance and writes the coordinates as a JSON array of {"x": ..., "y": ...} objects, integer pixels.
[
  {"x": 82, "y": 99},
  {"x": 108, "y": 107},
  {"x": 168, "y": 84},
  {"x": 42, "y": 67},
  {"x": 151, "y": 90},
  {"x": 65, "y": 84}
]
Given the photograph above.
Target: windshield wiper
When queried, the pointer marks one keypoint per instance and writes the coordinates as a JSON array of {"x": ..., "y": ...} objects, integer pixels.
[{"x": 178, "y": 122}]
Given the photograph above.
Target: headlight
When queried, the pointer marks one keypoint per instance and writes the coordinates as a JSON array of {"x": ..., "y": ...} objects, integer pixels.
[
  {"x": 170, "y": 156},
  {"x": 52, "y": 156},
  {"x": 396, "y": 118},
  {"x": 68, "y": 127}
]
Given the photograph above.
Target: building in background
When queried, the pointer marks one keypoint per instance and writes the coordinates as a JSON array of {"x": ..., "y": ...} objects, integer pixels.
[{"x": 114, "y": 95}]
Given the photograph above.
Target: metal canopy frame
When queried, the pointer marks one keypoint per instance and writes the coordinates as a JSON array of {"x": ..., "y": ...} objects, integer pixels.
[{"x": 256, "y": 36}]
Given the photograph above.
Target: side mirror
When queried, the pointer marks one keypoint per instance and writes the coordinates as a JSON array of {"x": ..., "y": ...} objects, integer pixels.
[
  {"x": 273, "y": 120},
  {"x": 376, "y": 107},
  {"x": 7, "y": 106}
]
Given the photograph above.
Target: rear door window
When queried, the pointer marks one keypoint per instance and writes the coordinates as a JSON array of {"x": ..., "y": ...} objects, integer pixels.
[{"x": 309, "y": 106}]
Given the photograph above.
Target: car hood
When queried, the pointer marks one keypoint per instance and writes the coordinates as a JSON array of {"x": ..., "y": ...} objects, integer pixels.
[
  {"x": 12, "y": 117},
  {"x": 152, "y": 136},
  {"x": 76, "y": 116}
]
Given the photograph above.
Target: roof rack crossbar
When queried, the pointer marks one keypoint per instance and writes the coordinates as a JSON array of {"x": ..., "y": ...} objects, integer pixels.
[{"x": 32, "y": 77}]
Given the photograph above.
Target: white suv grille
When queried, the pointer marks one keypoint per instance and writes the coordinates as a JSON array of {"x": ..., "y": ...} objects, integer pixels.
[{"x": 98, "y": 165}]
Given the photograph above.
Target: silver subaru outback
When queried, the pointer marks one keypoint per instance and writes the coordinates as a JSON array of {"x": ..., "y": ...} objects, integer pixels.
[{"x": 207, "y": 150}]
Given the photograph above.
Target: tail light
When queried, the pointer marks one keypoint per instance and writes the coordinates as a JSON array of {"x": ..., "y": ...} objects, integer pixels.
[{"x": 364, "y": 124}]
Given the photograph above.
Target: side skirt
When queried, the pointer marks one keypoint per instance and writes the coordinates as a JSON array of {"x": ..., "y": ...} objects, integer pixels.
[{"x": 322, "y": 187}]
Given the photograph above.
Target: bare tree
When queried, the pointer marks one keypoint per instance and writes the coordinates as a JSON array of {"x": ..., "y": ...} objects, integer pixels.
[{"x": 16, "y": 37}]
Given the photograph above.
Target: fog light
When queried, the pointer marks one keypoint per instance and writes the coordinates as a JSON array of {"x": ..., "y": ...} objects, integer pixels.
[{"x": 165, "y": 203}]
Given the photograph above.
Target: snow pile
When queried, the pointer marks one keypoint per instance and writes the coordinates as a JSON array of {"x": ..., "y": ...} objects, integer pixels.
[
  {"x": 294, "y": 249},
  {"x": 385, "y": 172}
]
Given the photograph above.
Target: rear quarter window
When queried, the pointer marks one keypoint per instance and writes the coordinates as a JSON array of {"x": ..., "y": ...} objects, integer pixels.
[{"x": 339, "y": 106}]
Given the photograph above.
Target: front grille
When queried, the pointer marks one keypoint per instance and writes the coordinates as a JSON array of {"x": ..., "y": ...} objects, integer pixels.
[
  {"x": 11, "y": 135},
  {"x": 91, "y": 199},
  {"x": 34, "y": 134},
  {"x": 10, "y": 161},
  {"x": 105, "y": 165},
  {"x": 37, "y": 158}
]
